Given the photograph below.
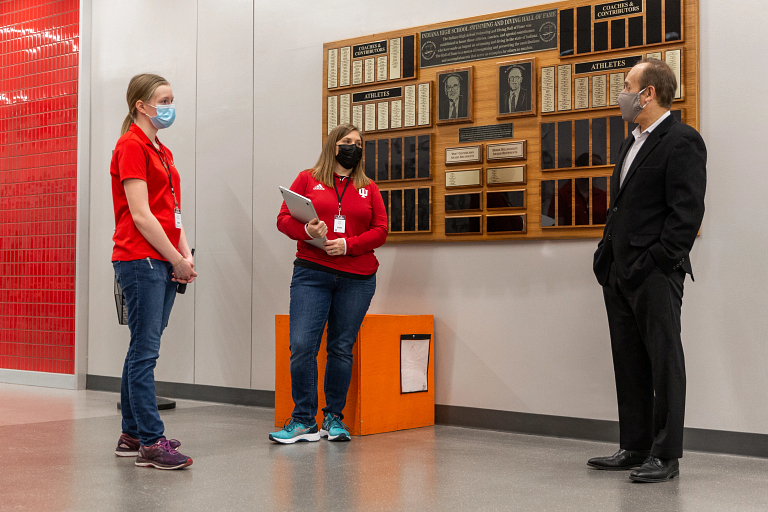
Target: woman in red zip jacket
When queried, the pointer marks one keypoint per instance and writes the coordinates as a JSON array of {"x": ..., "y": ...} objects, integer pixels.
[{"x": 334, "y": 284}]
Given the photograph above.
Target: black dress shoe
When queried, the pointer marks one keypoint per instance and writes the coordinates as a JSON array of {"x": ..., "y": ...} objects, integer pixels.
[
  {"x": 656, "y": 470},
  {"x": 622, "y": 459}
]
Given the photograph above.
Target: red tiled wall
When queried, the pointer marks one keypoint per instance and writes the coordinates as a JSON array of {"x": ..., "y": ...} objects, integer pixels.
[{"x": 38, "y": 182}]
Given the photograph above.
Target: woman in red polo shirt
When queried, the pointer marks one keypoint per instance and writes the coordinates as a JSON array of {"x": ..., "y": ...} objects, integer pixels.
[
  {"x": 151, "y": 255},
  {"x": 334, "y": 285}
]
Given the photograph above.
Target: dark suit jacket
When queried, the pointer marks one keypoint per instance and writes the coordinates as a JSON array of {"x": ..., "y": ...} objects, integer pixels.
[
  {"x": 653, "y": 219},
  {"x": 445, "y": 108},
  {"x": 523, "y": 103}
]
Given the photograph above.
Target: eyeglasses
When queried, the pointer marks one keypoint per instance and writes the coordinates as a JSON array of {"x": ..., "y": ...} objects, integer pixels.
[
  {"x": 515, "y": 78},
  {"x": 452, "y": 87}
]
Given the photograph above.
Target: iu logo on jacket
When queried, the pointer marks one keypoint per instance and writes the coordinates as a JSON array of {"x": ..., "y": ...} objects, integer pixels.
[{"x": 363, "y": 192}]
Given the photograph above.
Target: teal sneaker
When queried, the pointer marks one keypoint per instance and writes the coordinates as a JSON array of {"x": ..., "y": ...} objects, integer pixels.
[
  {"x": 296, "y": 431},
  {"x": 334, "y": 429}
]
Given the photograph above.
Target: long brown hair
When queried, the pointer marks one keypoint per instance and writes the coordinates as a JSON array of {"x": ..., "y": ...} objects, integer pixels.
[
  {"x": 326, "y": 163},
  {"x": 141, "y": 88}
]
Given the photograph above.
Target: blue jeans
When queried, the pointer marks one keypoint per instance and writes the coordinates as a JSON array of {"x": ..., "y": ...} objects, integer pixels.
[
  {"x": 149, "y": 295},
  {"x": 318, "y": 297}
]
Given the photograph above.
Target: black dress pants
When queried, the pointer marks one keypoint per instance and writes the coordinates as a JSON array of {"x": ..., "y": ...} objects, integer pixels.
[{"x": 648, "y": 361}]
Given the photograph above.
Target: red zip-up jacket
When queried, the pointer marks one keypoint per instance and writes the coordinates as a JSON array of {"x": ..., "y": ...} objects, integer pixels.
[{"x": 366, "y": 223}]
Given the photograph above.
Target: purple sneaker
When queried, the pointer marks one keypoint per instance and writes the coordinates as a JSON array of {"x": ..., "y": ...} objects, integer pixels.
[
  {"x": 128, "y": 446},
  {"x": 162, "y": 455}
]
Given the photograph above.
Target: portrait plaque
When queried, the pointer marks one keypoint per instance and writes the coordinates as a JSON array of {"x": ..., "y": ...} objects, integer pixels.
[
  {"x": 471, "y": 225},
  {"x": 599, "y": 91},
  {"x": 357, "y": 116},
  {"x": 344, "y": 73},
  {"x": 333, "y": 68},
  {"x": 673, "y": 58},
  {"x": 333, "y": 112},
  {"x": 424, "y": 102},
  {"x": 394, "y": 58},
  {"x": 464, "y": 155},
  {"x": 454, "y": 95},
  {"x": 581, "y": 96},
  {"x": 548, "y": 89},
  {"x": 357, "y": 72},
  {"x": 653, "y": 23},
  {"x": 396, "y": 115},
  {"x": 514, "y": 175},
  {"x": 505, "y": 199},
  {"x": 564, "y": 87},
  {"x": 516, "y": 91},
  {"x": 383, "y": 118},
  {"x": 344, "y": 112},
  {"x": 653, "y": 55},
  {"x": 370, "y": 68},
  {"x": 501, "y": 224},
  {"x": 370, "y": 117},
  {"x": 617, "y": 85},
  {"x": 381, "y": 68},
  {"x": 506, "y": 151},
  {"x": 468, "y": 178},
  {"x": 410, "y": 106}
]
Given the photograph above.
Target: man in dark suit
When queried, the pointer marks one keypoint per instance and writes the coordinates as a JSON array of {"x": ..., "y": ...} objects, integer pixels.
[
  {"x": 516, "y": 99},
  {"x": 656, "y": 208},
  {"x": 454, "y": 104}
]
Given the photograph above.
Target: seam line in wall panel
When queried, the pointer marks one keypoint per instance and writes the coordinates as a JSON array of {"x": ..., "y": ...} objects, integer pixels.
[
  {"x": 194, "y": 289},
  {"x": 253, "y": 173}
]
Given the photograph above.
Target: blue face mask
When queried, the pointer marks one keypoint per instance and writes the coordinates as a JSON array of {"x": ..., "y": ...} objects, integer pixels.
[{"x": 166, "y": 115}]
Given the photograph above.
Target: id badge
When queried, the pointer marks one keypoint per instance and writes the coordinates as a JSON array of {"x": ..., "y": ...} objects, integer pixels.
[
  {"x": 339, "y": 223},
  {"x": 177, "y": 213}
]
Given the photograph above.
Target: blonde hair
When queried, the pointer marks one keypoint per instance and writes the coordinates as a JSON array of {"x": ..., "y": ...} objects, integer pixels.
[
  {"x": 141, "y": 88},
  {"x": 326, "y": 163}
]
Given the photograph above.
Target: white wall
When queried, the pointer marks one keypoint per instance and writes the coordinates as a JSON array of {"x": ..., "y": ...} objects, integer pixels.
[{"x": 520, "y": 326}]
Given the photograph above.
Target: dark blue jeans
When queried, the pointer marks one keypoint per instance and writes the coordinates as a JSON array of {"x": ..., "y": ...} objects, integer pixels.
[
  {"x": 317, "y": 297},
  {"x": 149, "y": 295}
]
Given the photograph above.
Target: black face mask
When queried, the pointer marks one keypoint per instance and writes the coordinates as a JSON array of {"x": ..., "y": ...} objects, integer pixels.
[{"x": 349, "y": 155}]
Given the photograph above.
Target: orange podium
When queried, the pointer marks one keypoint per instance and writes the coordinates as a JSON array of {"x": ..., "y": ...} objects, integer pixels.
[{"x": 375, "y": 401}]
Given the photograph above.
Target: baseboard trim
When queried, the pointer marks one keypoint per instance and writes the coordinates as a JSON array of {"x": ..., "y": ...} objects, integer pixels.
[
  {"x": 695, "y": 439},
  {"x": 41, "y": 379},
  {"x": 235, "y": 396}
]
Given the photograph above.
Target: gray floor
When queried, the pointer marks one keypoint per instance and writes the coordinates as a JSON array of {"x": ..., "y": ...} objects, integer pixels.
[{"x": 57, "y": 454}]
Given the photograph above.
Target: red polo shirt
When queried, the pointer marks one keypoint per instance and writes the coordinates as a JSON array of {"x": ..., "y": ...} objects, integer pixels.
[
  {"x": 366, "y": 223},
  {"x": 135, "y": 157}
]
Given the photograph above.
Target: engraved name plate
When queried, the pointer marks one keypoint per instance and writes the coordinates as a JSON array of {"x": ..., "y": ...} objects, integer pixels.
[
  {"x": 357, "y": 116},
  {"x": 370, "y": 117},
  {"x": 505, "y": 175},
  {"x": 470, "y": 178},
  {"x": 333, "y": 112},
  {"x": 462, "y": 155},
  {"x": 383, "y": 123},
  {"x": 410, "y": 105},
  {"x": 394, "y": 58},
  {"x": 381, "y": 68},
  {"x": 396, "y": 117},
  {"x": 653, "y": 55},
  {"x": 548, "y": 89},
  {"x": 344, "y": 112},
  {"x": 672, "y": 58},
  {"x": 564, "y": 87},
  {"x": 333, "y": 68},
  {"x": 344, "y": 73},
  {"x": 506, "y": 151},
  {"x": 370, "y": 68},
  {"x": 599, "y": 91},
  {"x": 424, "y": 102},
  {"x": 617, "y": 85},
  {"x": 357, "y": 72},
  {"x": 581, "y": 96}
]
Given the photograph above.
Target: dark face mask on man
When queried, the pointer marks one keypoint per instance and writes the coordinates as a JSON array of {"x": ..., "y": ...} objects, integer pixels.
[{"x": 349, "y": 155}]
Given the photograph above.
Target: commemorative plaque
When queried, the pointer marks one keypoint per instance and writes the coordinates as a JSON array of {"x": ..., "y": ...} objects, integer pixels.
[
  {"x": 505, "y": 199},
  {"x": 653, "y": 55},
  {"x": 502, "y": 224},
  {"x": 471, "y": 225},
  {"x": 357, "y": 72},
  {"x": 486, "y": 132},
  {"x": 564, "y": 87},
  {"x": 606, "y": 65},
  {"x": 673, "y": 58},
  {"x": 506, "y": 151},
  {"x": 394, "y": 59},
  {"x": 468, "y": 178},
  {"x": 370, "y": 66},
  {"x": 617, "y": 85},
  {"x": 410, "y": 106},
  {"x": 381, "y": 68},
  {"x": 581, "y": 96},
  {"x": 383, "y": 118},
  {"x": 514, "y": 175},
  {"x": 344, "y": 112},
  {"x": 357, "y": 116},
  {"x": 378, "y": 94},
  {"x": 396, "y": 114},
  {"x": 333, "y": 112},
  {"x": 370, "y": 117},
  {"x": 599, "y": 91},
  {"x": 464, "y": 155},
  {"x": 424, "y": 102},
  {"x": 466, "y": 202},
  {"x": 547, "y": 89},
  {"x": 333, "y": 68}
]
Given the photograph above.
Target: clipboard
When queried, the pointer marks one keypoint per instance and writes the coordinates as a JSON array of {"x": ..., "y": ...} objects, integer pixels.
[{"x": 302, "y": 210}]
